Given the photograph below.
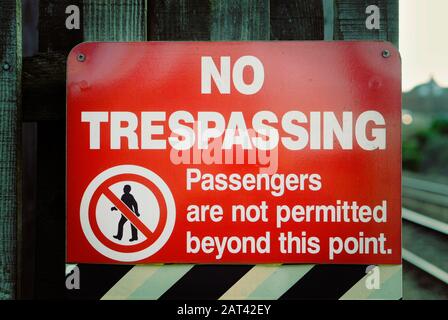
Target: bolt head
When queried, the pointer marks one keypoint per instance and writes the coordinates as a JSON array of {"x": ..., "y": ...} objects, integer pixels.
[
  {"x": 6, "y": 66},
  {"x": 386, "y": 54},
  {"x": 81, "y": 57}
]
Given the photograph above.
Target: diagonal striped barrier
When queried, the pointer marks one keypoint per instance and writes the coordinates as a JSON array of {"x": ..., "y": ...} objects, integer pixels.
[
  {"x": 160, "y": 281},
  {"x": 234, "y": 282},
  {"x": 325, "y": 282},
  {"x": 266, "y": 282},
  {"x": 206, "y": 282},
  {"x": 146, "y": 282}
]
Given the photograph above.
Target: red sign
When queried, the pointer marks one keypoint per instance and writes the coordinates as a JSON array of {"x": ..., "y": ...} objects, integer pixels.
[{"x": 234, "y": 152}]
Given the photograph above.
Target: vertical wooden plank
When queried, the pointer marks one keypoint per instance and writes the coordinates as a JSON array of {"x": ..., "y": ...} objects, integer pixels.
[
  {"x": 328, "y": 7},
  {"x": 350, "y": 19},
  {"x": 50, "y": 220},
  {"x": 27, "y": 240},
  {"x": 44, "y": 72},
  {"x": 10, "y": 76},
  {"x": 239, "y": 20},
  {"x": 41, "y": 258},
  {"x": 115, "y": 20},
  {"x": 297, "y": 20},
  {"x": 53, "y": 35},
  {"x": 179, "y": 20},
  {"x": 30, "y": 34}
]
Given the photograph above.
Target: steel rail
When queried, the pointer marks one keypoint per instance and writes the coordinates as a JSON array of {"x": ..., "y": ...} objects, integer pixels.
[
  {"x": 424, "y": 221},
  {"x": 425, "y": 266}
]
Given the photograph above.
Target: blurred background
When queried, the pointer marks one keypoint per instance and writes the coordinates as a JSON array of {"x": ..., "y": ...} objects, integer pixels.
[{"x": 424, "y": 51}]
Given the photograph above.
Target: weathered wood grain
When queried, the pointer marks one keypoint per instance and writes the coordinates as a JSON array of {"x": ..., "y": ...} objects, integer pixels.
[
  {"x": 239, "y": 20},
  {"x": 179, "y": 20},
  {"x": 297, "y": 20},
  {"x": 115, "y": 20},
  {"x": 328, "y": 7},
  {"x": 350, "y": 19},
  {"x": 10, "y": 75}
]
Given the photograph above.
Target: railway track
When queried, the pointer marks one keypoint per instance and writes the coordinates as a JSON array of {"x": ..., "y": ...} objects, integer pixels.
[
  {"x": 422, "y": 190},
  {"x": 425, "y": 230},
  {"x": 419, "y": 261}
]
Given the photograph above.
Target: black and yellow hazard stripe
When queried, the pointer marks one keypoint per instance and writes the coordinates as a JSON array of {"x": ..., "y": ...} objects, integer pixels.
[{"x": 212, "y": 282}]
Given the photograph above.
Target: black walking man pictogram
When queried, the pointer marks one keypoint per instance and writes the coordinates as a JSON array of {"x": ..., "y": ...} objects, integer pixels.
[{"x": 129, "y": 200}]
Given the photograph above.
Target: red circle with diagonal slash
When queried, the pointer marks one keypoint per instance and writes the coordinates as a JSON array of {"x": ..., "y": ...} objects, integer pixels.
[{"x": 104, "y": 189}]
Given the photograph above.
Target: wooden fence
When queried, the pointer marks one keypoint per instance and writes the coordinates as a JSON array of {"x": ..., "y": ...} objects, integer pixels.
[{"x": 32, "y": 99}]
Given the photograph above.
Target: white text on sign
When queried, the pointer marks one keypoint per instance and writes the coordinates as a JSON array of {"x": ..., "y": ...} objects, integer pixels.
[{"x": 294, "y": 130}]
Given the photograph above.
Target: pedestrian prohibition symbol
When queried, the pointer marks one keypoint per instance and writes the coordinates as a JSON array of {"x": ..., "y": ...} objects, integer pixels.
[{"x": 146, "y": 202}]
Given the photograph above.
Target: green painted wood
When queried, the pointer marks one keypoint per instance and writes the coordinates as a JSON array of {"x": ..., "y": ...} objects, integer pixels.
[
  {"x": 350, "y": 18},
  {"x": 239, "y": 20},
  {"x": 297, "y": 20},
  {"x": 10, "y": 77},
  {"x": 115, "y": 20},
  {"x": 179, "y": 20},
  {"x": 328, "y": 7}
]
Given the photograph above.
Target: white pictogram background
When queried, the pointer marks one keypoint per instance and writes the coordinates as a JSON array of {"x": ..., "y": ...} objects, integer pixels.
[{"x": 148, "y": 208}]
